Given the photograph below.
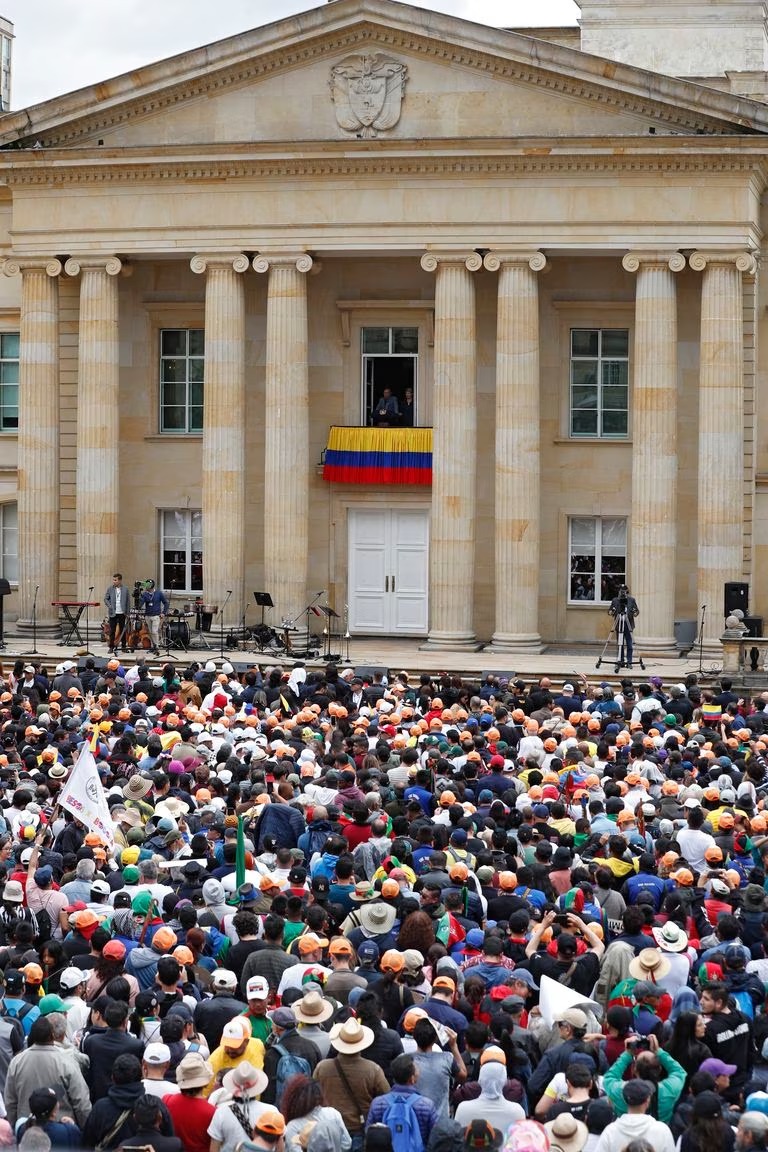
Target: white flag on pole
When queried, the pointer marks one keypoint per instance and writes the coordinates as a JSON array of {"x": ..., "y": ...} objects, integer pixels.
[{"x": 83, "y": 796}]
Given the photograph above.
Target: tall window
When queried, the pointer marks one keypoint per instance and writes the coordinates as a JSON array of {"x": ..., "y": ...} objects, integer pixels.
[
  {"x": 390, "y": 374},
  {"x": 181, "y": 550},
  {"x": 182, "y": 364},
  {"x": 597, "y": 558},
  {"x": 9, "y": 381},
  {"x": 599, "y": 382},
  {"x": 9, "y": 542}
]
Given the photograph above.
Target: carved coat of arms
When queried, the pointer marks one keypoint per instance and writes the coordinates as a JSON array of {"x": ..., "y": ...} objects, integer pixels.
[{"x": 367, "y": 92}]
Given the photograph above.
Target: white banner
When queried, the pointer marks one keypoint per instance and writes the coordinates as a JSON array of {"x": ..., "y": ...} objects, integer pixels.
[{"x": 83, "y": 796}]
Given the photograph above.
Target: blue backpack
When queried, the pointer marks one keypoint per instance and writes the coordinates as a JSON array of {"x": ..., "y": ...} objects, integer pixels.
[
  {"x": 288, "y": 1066},
  {"x": 400, "y": 1117}
]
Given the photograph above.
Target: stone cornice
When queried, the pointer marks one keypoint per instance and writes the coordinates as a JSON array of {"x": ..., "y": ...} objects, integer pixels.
[
  {"x": 350, "y": 24},
  {"x": 401, "y": 158}
]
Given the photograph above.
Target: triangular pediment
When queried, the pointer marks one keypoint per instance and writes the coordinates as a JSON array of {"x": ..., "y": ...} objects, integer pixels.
[{"x": 360, "y": 70}]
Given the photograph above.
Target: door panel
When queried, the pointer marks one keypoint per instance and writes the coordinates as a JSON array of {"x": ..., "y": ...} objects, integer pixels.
[{"x": 389, "y": 571}]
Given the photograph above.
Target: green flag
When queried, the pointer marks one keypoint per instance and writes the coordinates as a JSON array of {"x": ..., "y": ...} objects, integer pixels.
[{"x": 240, "y": 857}]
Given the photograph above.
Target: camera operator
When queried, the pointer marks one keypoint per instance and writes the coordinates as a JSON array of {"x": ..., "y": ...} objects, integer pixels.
[{"x": 624, "y": 611}]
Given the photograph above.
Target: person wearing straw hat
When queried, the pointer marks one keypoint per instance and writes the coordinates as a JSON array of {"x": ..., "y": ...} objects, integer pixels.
[
  {"x": 238, "y": 1108},
  {"x": 350, "y": 1082},
  {"x": 567, "y": 1133},
  {"x": 190, "y": 1112},
  {"x": 311, "y": 1013}
]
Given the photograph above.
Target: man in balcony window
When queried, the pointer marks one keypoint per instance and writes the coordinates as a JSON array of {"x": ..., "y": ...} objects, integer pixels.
[{"x": 386, "y": 411}]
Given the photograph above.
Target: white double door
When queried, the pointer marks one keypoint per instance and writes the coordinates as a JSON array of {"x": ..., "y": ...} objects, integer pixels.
[{"x": 388, "y": 571}]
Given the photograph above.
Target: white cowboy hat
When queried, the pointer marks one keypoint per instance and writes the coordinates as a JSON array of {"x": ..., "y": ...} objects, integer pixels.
[
  {"x": 670, "y": 937},
  {"x": 351, "y": 1036},
  {"x": 312, "y": 1009},
  {"x": 245, "y": 1080},
  {"x": 649, "y": 965}
]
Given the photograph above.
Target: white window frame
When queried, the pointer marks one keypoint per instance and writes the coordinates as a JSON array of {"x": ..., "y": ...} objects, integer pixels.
[
  {"x": 366, "y": 409},
  {"x": 185, "y": 520},
  {"x": 187, "y": 356},
  {"x": 600, "y": 386},
  {"x": 9, "y": 542},
  {"x": 13, "y": 430},
  {"x": 598, "y": 522}
]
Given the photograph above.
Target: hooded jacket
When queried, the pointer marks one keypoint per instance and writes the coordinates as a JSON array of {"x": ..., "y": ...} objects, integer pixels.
[
  {"x": 283, "y": 823},
  {"x": 106, "y": 1112},
  {"x": 141, "y": 962},
  {"x": 638, "y": 1126}
]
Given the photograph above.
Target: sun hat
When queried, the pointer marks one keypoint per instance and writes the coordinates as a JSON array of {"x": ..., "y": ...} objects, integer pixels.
[
  {"x": 351, "y": 1036},
  {"x": 312, "y": 1009},
  {"x": 245, "y": 1080},
  {"x": 649, "y": 965},
  {"x": 567, "y": 1132},
  {"x": 193, "y": 1071},
  {"x": 137, "y": 787},
  {"x": 670, "y": 937},
  {"x": 377, "y": 918},
  {"x": 364, "y": 890},
  {"x": 13, "y": 892}
]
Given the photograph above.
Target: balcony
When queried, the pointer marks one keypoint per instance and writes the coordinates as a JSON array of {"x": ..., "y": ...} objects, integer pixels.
[{"x": 378, "y": 456}]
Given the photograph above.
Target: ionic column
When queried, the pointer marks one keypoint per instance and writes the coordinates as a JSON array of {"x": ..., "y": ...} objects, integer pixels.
[
  {"x": 721, "y": 429},
  {"x": 516, "y": 525},
  {"x": 38, "y": 440},
  {"x": 98, "y": 424},
  {"x": 286, "y": 418},
  {"x": 653, "y": 523},
  {"x": 454, "y": 451},
  {"x": 223, "y": 457}
]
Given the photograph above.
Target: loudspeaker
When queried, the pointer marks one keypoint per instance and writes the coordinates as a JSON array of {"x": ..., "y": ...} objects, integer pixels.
[
  {"x": 754, "y": 626},
  {"x": 367, "y": 670},
  {"x": 5, "y": 588},
  {"x": 735, "y": 595}
]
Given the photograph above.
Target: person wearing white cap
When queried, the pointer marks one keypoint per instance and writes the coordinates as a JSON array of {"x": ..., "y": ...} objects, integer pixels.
[
  {"x": 154, "y": 1067},
  {"x": 72, "y": 982}
]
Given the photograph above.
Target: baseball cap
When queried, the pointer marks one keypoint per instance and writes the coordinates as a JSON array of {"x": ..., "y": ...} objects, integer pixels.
[
  {"x": 717, "y": 1067},
  {"x": 270, "y": 1123},
  {"x": 636, "y": 1092},
  {"x": 257, "y": 988},
  {"x": 573, "y": 1016},
  {"x": 157, "y": 1054},
  {"x": 233, "y": 1033},
  {"x": 223, "y": 978},
  {"x": 310, "y": 942}
]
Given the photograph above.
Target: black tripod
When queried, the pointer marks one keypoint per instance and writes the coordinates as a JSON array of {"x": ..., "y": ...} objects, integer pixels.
[
  {"x": 621, "y": 626},
  {"x": 221, "y": 623}
]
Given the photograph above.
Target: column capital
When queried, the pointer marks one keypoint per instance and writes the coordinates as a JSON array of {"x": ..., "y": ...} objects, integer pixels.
[
  {"x": 301, "y": 261},
  {"x": 237, "y": 261},
  {"x": 536, "y": 261},
  {"x": 112, "y": 265},
  {"x": 19, "y": 264},
  {"x": 745, "y": 261},
  {"x": 661, "y": 258},
  {"x": 471, "y": 259}
]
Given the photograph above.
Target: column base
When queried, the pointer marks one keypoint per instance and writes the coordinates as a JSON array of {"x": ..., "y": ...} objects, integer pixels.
[
  {"x": 450, "y": 642},
  {"x": 655, "y": 646},
  {"x": 50, "y": 629},
  {"x": 515, "y": 642}
]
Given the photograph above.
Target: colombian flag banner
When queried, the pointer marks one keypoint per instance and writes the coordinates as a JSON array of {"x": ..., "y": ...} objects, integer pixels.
[{"x": 379, "y": 456}]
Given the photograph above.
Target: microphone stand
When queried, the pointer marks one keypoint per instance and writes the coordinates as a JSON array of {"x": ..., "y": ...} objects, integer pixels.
[
  {"x": 87, "y": 616},
  {"x": 221, "y": 623},
  {"x": 701, "y": 639},
  {"x": 34, "y": 622}
]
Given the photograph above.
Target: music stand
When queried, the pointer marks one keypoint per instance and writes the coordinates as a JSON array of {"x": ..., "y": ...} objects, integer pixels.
[{"x": 264, "y": 600}]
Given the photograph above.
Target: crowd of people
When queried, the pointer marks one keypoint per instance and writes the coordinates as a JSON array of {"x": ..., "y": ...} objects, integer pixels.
[{"x": 393, "y": 913}]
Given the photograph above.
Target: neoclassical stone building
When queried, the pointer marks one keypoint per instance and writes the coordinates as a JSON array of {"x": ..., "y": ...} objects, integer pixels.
[{"x": 544, "y": 245}]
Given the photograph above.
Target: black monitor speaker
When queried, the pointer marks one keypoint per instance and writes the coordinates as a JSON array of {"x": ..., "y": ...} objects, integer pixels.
[{"x": 735, "y": 595}]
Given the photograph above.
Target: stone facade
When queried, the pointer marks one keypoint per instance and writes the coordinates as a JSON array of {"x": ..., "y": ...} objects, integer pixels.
[{"x": 361, "y": 167}]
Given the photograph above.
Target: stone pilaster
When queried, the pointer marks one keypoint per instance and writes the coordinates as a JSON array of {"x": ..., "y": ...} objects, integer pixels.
[
  {"x": 454, "y": 451},
  {"x": 517, "y": 496},
  {"x": 38, "y": 440},
  {"x": 286, "y": 418},
  {"x": 223, "y": 458},
  {"x": 98, "y": 424},
  {"x": 721, "y": 429},
  {"x": 653, "y": 524}
]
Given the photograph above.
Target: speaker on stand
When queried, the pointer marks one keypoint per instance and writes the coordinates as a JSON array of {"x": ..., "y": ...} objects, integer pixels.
[{"x": 735, "y": 595}]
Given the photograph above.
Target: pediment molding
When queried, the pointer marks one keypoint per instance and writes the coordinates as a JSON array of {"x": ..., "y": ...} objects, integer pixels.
[
  {"x": 96, "y": 169},
  {"x": 77, "y": 126}
]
